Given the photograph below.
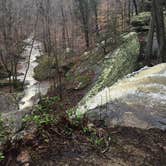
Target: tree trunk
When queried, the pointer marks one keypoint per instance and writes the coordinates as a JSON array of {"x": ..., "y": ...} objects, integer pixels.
[
  {"x": 158, "y": 15},
  {"x": 129, "y": 11},
  {"x": 149, "y": 46},
  {"x": 135, "y": 6},
  {"x": 86, "y": 33}
]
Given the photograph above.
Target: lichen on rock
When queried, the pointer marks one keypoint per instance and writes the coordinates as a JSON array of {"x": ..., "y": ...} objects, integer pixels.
[
  {"x": 116, "y": 65},
  {"x": 141, "y": 22},
  {"x": 138, "y": 100},
  {"x": 141, "y": 19}
]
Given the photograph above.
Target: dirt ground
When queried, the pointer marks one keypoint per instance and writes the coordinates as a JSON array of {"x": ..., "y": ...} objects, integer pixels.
[
  {"x": 128, "y": 147},
  {"x": 66, "y": 145}
]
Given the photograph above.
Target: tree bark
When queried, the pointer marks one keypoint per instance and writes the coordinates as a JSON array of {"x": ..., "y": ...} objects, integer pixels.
[
  {"x": 149, "y": 46},
  {"x": 135, "y": 6},
  {"x": 157, "y": 9}
]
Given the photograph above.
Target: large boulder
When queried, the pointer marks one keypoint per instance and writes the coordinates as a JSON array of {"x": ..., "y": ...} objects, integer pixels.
[
  {"x": 13, "y": 121},
  {"x": 138, "y": 100},
  {"x": 141, "y": 19},
  {"x": 116, "y": 65},
  {"x": 8, "y": 103},
  {"x": 87, "y": 67},
  {"x": 147, "y": 5},
  {"x": 11, "y": 116},
  {"x": 141, "y": 22}
]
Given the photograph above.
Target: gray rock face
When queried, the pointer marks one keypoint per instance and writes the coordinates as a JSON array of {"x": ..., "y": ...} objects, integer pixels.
[
  {"x": 14, "y": 120},
  {"x": 138, "y": 100},
  {"x": 7, "y": 103},
  {"x": 12, "y": 117}
]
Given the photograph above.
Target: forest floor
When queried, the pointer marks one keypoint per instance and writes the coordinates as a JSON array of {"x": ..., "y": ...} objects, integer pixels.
[
  {"x": 128, "y": 146},
  {"x": 65, "y": 143}
]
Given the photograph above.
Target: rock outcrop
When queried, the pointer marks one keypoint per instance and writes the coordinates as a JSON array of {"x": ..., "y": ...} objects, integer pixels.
[
  {"x": 10, "y": 114},
  {"x": 141, "y": 22},
  {"x": 8, "y": 103},
  {"x": 116, "y": 65},
  {"x": 138, "y": 100}
]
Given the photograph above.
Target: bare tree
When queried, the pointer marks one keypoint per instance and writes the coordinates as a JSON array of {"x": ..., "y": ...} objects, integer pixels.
[
  {"x": 11, "y": 39},
  {"x": 83, "y": 14},
  {"x": 157, "y": 25},
  {"x": 94, "y": 6},
  {"x": 149, "y": 46}
]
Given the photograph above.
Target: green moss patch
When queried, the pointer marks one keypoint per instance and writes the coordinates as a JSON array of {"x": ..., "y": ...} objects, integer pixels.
[
  {"x": 80, "y": 81},
  {"x": 141, "y": 19},
  {"x": 120, "y": 63}
]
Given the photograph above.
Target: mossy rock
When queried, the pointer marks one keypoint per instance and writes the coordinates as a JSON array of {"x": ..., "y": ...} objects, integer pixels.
[
  {"x": 116, "y": 65},
  {"x": 80, "y": 81},
  {"x": 44, "y": 69},
  {"x": 142, "y": 19},
  {"x": 121, "y": 62}
]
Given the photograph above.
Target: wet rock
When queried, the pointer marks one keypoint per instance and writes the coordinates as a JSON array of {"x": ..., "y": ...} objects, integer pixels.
[{"x": 138, "y": 100}]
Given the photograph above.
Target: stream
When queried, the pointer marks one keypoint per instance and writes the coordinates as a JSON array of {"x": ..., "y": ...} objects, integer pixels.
[{"x": 33, "y": 88}]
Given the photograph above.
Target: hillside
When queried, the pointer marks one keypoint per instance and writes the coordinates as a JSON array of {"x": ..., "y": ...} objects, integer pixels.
[{"x": 82, "y": 83}]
